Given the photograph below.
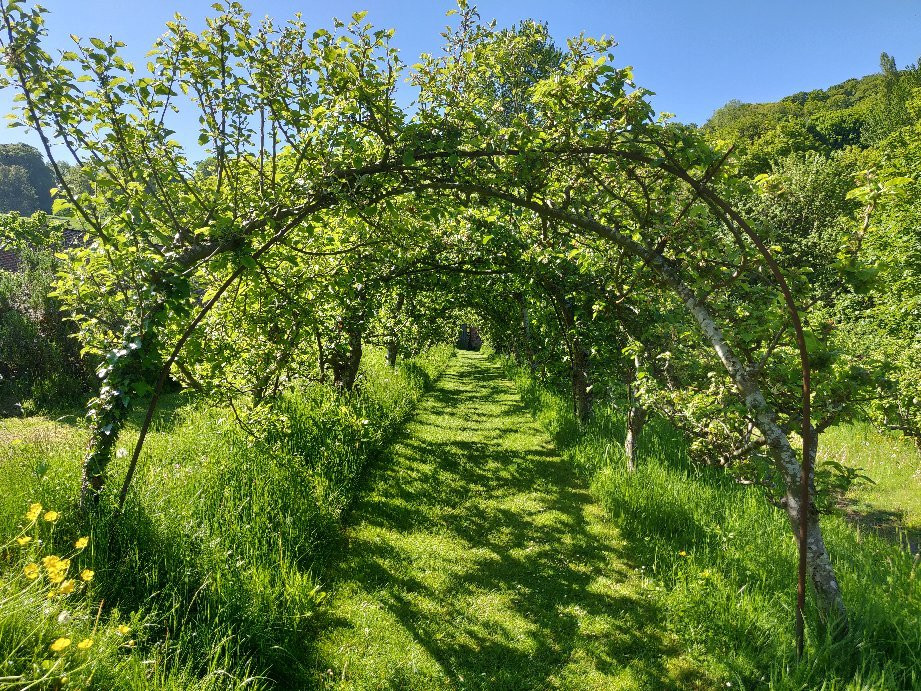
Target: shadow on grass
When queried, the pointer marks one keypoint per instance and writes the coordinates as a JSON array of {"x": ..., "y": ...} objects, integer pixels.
[
  {"x": 481, "y": 546},
  {"x": 888, "y": 524}
]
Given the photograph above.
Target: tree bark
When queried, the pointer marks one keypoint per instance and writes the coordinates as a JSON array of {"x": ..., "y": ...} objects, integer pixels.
[
  {"x": 818, "y": 562},
  {"x": 321, "y": 356},
  {"x": 393, "y": 341},
  {"x": 578, "y": 360},
  {"x": 526, "y": 333},
  {"x": 345, "y": 363},
  {"x": 636, "y": 418}
]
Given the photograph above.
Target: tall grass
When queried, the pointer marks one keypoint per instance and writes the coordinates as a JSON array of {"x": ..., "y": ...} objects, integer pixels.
[
  {"x": 215, "y": 560},
  {"x": 721, "y": 562}
]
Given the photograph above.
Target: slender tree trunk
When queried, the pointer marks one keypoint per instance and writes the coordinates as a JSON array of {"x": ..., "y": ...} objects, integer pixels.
[
  {"x": 321, "y": 356},
  {"x": 95, "y": 463},
  {"x": 636, "y": 417},
  {"x": 578, "y": 359},
  {"x": 109, "y": 410},
  {"x": 393, "y": 341},
  {"x": 526, "y": 333},
  {"x": 582, "y": 397},
  {"x": 818, "y": 562}
]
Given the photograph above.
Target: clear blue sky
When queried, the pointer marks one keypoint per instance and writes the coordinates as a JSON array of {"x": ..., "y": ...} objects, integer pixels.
[{"x": 695, "y": 55}]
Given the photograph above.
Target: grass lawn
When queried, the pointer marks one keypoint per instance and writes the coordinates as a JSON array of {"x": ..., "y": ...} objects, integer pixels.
[
  {"x": 478, "y": 559},
  {"x": 892, "y": 504}
]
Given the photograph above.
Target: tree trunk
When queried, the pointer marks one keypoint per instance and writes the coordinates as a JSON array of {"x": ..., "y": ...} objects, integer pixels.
[
  {"x": 578, "y": 359},
  {"x": 526, "y": 334},
  {"x": 636, "y": 417},
  {"x": 818, "y": 562},
  {"x": 393, "y": 348},
  {"x": 108, "y": 412},
  {"x": 321, "y": 356},
  {"x": 581, "y": 392},
  {"x": 393, "y": 342},
  {"x": 345, "y": 363}
]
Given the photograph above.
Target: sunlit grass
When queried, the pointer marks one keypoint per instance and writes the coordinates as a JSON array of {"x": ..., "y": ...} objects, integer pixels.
[
  {"x": 720, "y": 562},
  {"x": 478, "y": 560},
  {"x": 215, "y": 561}
]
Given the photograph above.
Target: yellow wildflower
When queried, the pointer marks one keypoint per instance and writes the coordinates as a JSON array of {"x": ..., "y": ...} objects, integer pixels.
[
  {"x": 60, "y": 644},
  {"x": 85, "y": 643},
  {"x": 82, "y": 542},
  {"x": 123, "y": 629},
  {"x": 67, "y": 587},
  {"x": 682, "y": 553},
  {"x": 51, "y": 516},
  {"x": 31, "y": 571},
  {"x": 24, "y": 540},
  {"x": 56, "y": 567},
  {"x": 33, "y": 512},
  {"x": 87, "y": 575}
]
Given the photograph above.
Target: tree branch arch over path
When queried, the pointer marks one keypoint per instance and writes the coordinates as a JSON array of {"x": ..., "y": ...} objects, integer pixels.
[{"x": 306, "y": 142}]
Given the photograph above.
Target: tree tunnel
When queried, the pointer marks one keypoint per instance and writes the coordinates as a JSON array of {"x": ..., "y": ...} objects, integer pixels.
[{"x": 529, "y": 184}]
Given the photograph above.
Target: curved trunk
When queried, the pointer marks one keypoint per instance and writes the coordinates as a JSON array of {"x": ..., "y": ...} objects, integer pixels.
[{"x": 818, "y": 562}]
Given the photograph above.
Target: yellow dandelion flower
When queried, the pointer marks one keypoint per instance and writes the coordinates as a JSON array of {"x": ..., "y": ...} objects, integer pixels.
[
  {"x": 85, "y": 643},
  {"x": 56, "y": 567},
  {"x": 33, "y": 512},
  {"x": 682, "y": 553},
  {"x": 51, "y": 516},
  {"x": 67, "y": 587},
  {"x": 87, "y": 575},
  {"x": 24, "y": 540},
  {"x": 60, "y": 644},
  {"x": 123, "y": 629},
  {"x": 82, "y": 542},
  {"x": 31, "y": 571}
]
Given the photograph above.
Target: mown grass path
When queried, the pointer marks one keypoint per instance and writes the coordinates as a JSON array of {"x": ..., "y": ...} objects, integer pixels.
[{"x": 477, "y": 559}]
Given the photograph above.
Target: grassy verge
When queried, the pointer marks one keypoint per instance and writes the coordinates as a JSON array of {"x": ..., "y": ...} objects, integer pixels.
[
  {"x": 720, "y": 562},
  {"x": 209, "y": 579}
]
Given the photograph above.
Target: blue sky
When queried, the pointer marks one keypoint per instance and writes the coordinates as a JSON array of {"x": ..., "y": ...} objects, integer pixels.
[{"x": 695, "y": 55}]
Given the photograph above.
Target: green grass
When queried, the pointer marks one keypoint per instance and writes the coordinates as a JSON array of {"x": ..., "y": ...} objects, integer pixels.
[
  {"x": 891, "y": 506},
  {"x": 215, "y": 559},
  {"x": 493, "y": 544},
  {"x": 478, "y": 560},
  {"x": 720, "y": 562}
]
